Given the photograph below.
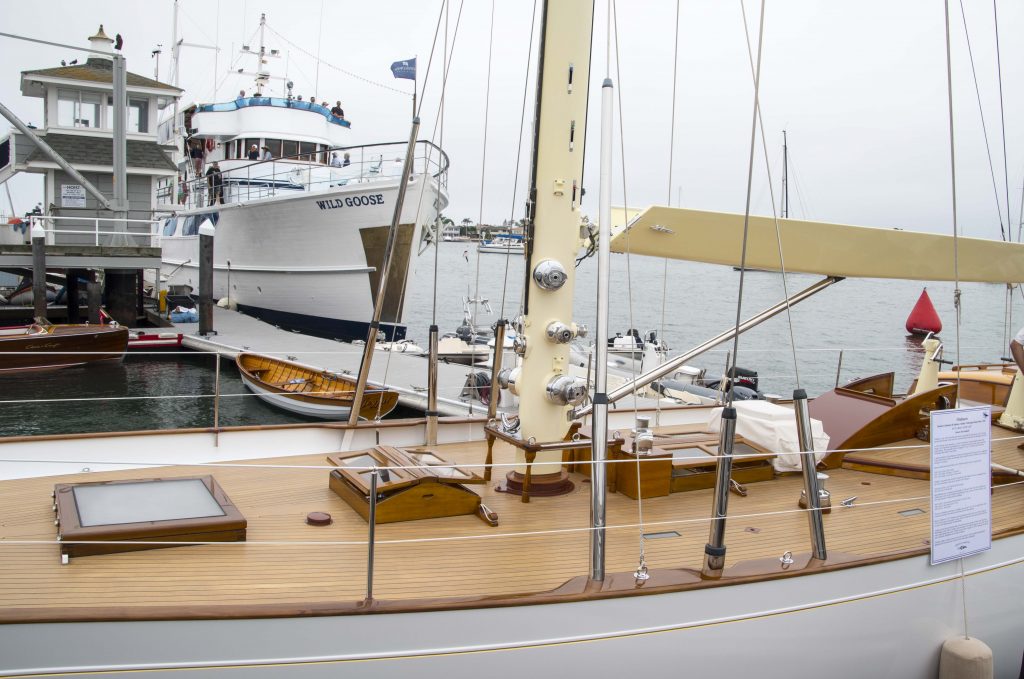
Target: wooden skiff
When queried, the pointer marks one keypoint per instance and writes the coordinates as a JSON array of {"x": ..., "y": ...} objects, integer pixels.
[{"x": 310, "y": 391}]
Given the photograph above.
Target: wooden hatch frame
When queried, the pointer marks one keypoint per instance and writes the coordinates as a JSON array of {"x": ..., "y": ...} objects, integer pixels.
[{"x": 78, "y": 540}]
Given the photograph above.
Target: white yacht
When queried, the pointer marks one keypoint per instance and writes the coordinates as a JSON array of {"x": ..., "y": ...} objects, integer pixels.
[
  {"x": 503, "y": 244},
  {"x": 301, "y": 214}
]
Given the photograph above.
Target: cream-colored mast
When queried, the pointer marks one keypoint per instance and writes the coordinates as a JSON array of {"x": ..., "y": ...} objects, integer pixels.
[{"x": 544, "y": 387}]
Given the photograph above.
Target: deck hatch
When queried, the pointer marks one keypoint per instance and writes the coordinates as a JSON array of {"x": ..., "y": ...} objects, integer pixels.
[{"x": 122, "y": 516}]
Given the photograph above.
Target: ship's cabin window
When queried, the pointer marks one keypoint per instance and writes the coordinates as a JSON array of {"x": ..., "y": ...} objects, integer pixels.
[
  {"x": 170, "y": 226},
  {"x": 274, "y": 145},
  {"x": 308, "y": 149},
  {"x": 289, "y": 149},
  {"x": 78, "y": 109}
]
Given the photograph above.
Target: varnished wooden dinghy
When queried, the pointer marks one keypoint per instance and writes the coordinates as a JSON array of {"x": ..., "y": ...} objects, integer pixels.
[
  {"x": 309, "y": 391},
  {"x": 48, "y": 347}
]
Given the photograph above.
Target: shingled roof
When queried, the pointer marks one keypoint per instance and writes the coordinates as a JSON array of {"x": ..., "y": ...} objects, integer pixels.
[
  {"x": 98, "y": 71},
  {"x": 82, "y": 150}
]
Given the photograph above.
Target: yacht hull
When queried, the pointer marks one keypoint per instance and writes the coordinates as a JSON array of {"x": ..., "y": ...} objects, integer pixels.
[
  {"x": 309, "y": 261},
  {"x": 888, "y": 620}
]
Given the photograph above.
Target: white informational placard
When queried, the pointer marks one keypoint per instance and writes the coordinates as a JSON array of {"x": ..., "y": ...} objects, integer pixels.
[
  {"x": 72, "y": 195},
  {"x": 961, "y": 479}
]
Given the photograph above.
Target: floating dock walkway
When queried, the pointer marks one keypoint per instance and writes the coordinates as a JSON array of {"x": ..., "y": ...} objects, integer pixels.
[{"x": 404, "y": 373}]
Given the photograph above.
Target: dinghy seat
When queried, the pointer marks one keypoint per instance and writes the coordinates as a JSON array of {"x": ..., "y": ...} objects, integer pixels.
[{"x": 864, "y": 414}]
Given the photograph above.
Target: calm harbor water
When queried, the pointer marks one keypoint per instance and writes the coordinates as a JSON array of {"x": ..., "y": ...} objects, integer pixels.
[{"x": 863, "y": 319}]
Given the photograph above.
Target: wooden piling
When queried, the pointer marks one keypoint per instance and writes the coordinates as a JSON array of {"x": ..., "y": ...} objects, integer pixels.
[
  {"x": 71, "y": 294},
  {"x": 206, "y": 233},
  {"x": 39, "y": 272},
  {"x": 120, "y": 289},
  {"x": 94, "y": 295}
]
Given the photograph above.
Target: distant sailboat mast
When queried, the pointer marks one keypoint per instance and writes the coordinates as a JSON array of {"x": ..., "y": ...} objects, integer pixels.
[{"x": 785, "y": 177}]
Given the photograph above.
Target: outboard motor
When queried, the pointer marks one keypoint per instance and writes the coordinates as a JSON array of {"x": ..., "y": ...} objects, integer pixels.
[
  {"x": 743, "y": 377},
  {"x": 464, "y": 333},
  {"x": 743, "y": 382}
]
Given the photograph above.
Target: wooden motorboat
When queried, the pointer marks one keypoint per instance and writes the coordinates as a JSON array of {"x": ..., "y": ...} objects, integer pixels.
[
  {"x": 49, "y": 347},
  {"x": 310, "y": 391}
]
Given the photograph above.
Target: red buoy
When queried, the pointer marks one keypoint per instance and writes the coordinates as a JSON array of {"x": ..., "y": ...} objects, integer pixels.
[{"x": 923, "y": 318}]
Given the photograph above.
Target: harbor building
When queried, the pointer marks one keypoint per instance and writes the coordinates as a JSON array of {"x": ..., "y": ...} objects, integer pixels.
[{"x": 78, "y": 125}]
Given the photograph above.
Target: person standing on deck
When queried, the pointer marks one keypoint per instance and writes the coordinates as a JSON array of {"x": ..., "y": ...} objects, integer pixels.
[
  {"x": 215, "y": 180},
  {"x": 195, "y": 152},
  {"x": 254, "y": 152},
  {"x": 337, "y": 111}
]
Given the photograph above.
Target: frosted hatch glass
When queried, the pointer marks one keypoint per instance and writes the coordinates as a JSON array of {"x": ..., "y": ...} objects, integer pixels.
[{"x": 105, "y": 505}]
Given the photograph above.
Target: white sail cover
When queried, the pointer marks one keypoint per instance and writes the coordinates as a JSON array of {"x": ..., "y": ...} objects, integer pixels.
[{"x": 818, "y": 247}]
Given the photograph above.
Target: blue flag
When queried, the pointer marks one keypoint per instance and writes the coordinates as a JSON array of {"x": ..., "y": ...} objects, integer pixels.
[{"x": 404, "y": 69}]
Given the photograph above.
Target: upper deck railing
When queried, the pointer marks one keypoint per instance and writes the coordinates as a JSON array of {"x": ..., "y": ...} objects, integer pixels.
[
  {"x": 243, "y": 180},
  {"x": 276, "y": 102}
]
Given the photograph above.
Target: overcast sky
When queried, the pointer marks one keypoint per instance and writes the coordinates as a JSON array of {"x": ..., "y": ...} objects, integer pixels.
[{"x": 860, "y": 87}]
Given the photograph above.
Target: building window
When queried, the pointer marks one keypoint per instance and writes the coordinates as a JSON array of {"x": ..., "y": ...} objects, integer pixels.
[
  {"x": 138, "y": 115},
  {"x": 78, "y": 109}
]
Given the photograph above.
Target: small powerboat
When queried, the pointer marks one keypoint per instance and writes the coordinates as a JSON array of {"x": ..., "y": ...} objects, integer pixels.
[{"x": 49, "y": 347}]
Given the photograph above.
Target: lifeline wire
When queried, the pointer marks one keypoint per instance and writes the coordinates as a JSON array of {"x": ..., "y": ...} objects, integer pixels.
[{"x": 746, "y": 213}]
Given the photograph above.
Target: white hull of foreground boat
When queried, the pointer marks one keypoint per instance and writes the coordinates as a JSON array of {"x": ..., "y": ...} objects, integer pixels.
[
  {"x": 305, "y": 260},
  {"x": 277, "y": 400},
  {"x": 885, "y": 620}
]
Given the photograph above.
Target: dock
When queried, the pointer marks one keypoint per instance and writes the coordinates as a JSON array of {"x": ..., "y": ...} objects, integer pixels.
[{"x": 404, "y": 373}]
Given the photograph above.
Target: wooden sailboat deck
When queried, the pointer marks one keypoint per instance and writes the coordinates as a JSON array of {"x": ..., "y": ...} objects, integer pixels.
[{"x": 288, "y": 567}]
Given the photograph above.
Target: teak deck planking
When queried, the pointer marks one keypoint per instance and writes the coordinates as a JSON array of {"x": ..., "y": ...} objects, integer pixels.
[{"x": 508, "y": 560}]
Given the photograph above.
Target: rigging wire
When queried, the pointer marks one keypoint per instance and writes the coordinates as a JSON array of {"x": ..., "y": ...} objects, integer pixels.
[
  {"x": 437, "y": 222},
  {"x": 984, "y": 130},
  {"x": 1002, "y": 113},
  {"x": 319, "y": 45},
  {"x": 483, "y": 159},
  {"x": 519, "y": 157},
  {"x": 338, "y": 68},
  {"x": 775, "y": 215},
  {"x": 746, "y": 213},
  {"x": 613, "y": 21},
  {"x": 956, "y": 261},
  {"x": 668, "y": 201},
  {"x": 430, "y": 60},
  {"x": 438, "y": 134}
]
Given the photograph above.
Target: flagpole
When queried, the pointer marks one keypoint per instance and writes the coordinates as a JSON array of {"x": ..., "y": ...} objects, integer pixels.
[{"x": 414, "y": 84}]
